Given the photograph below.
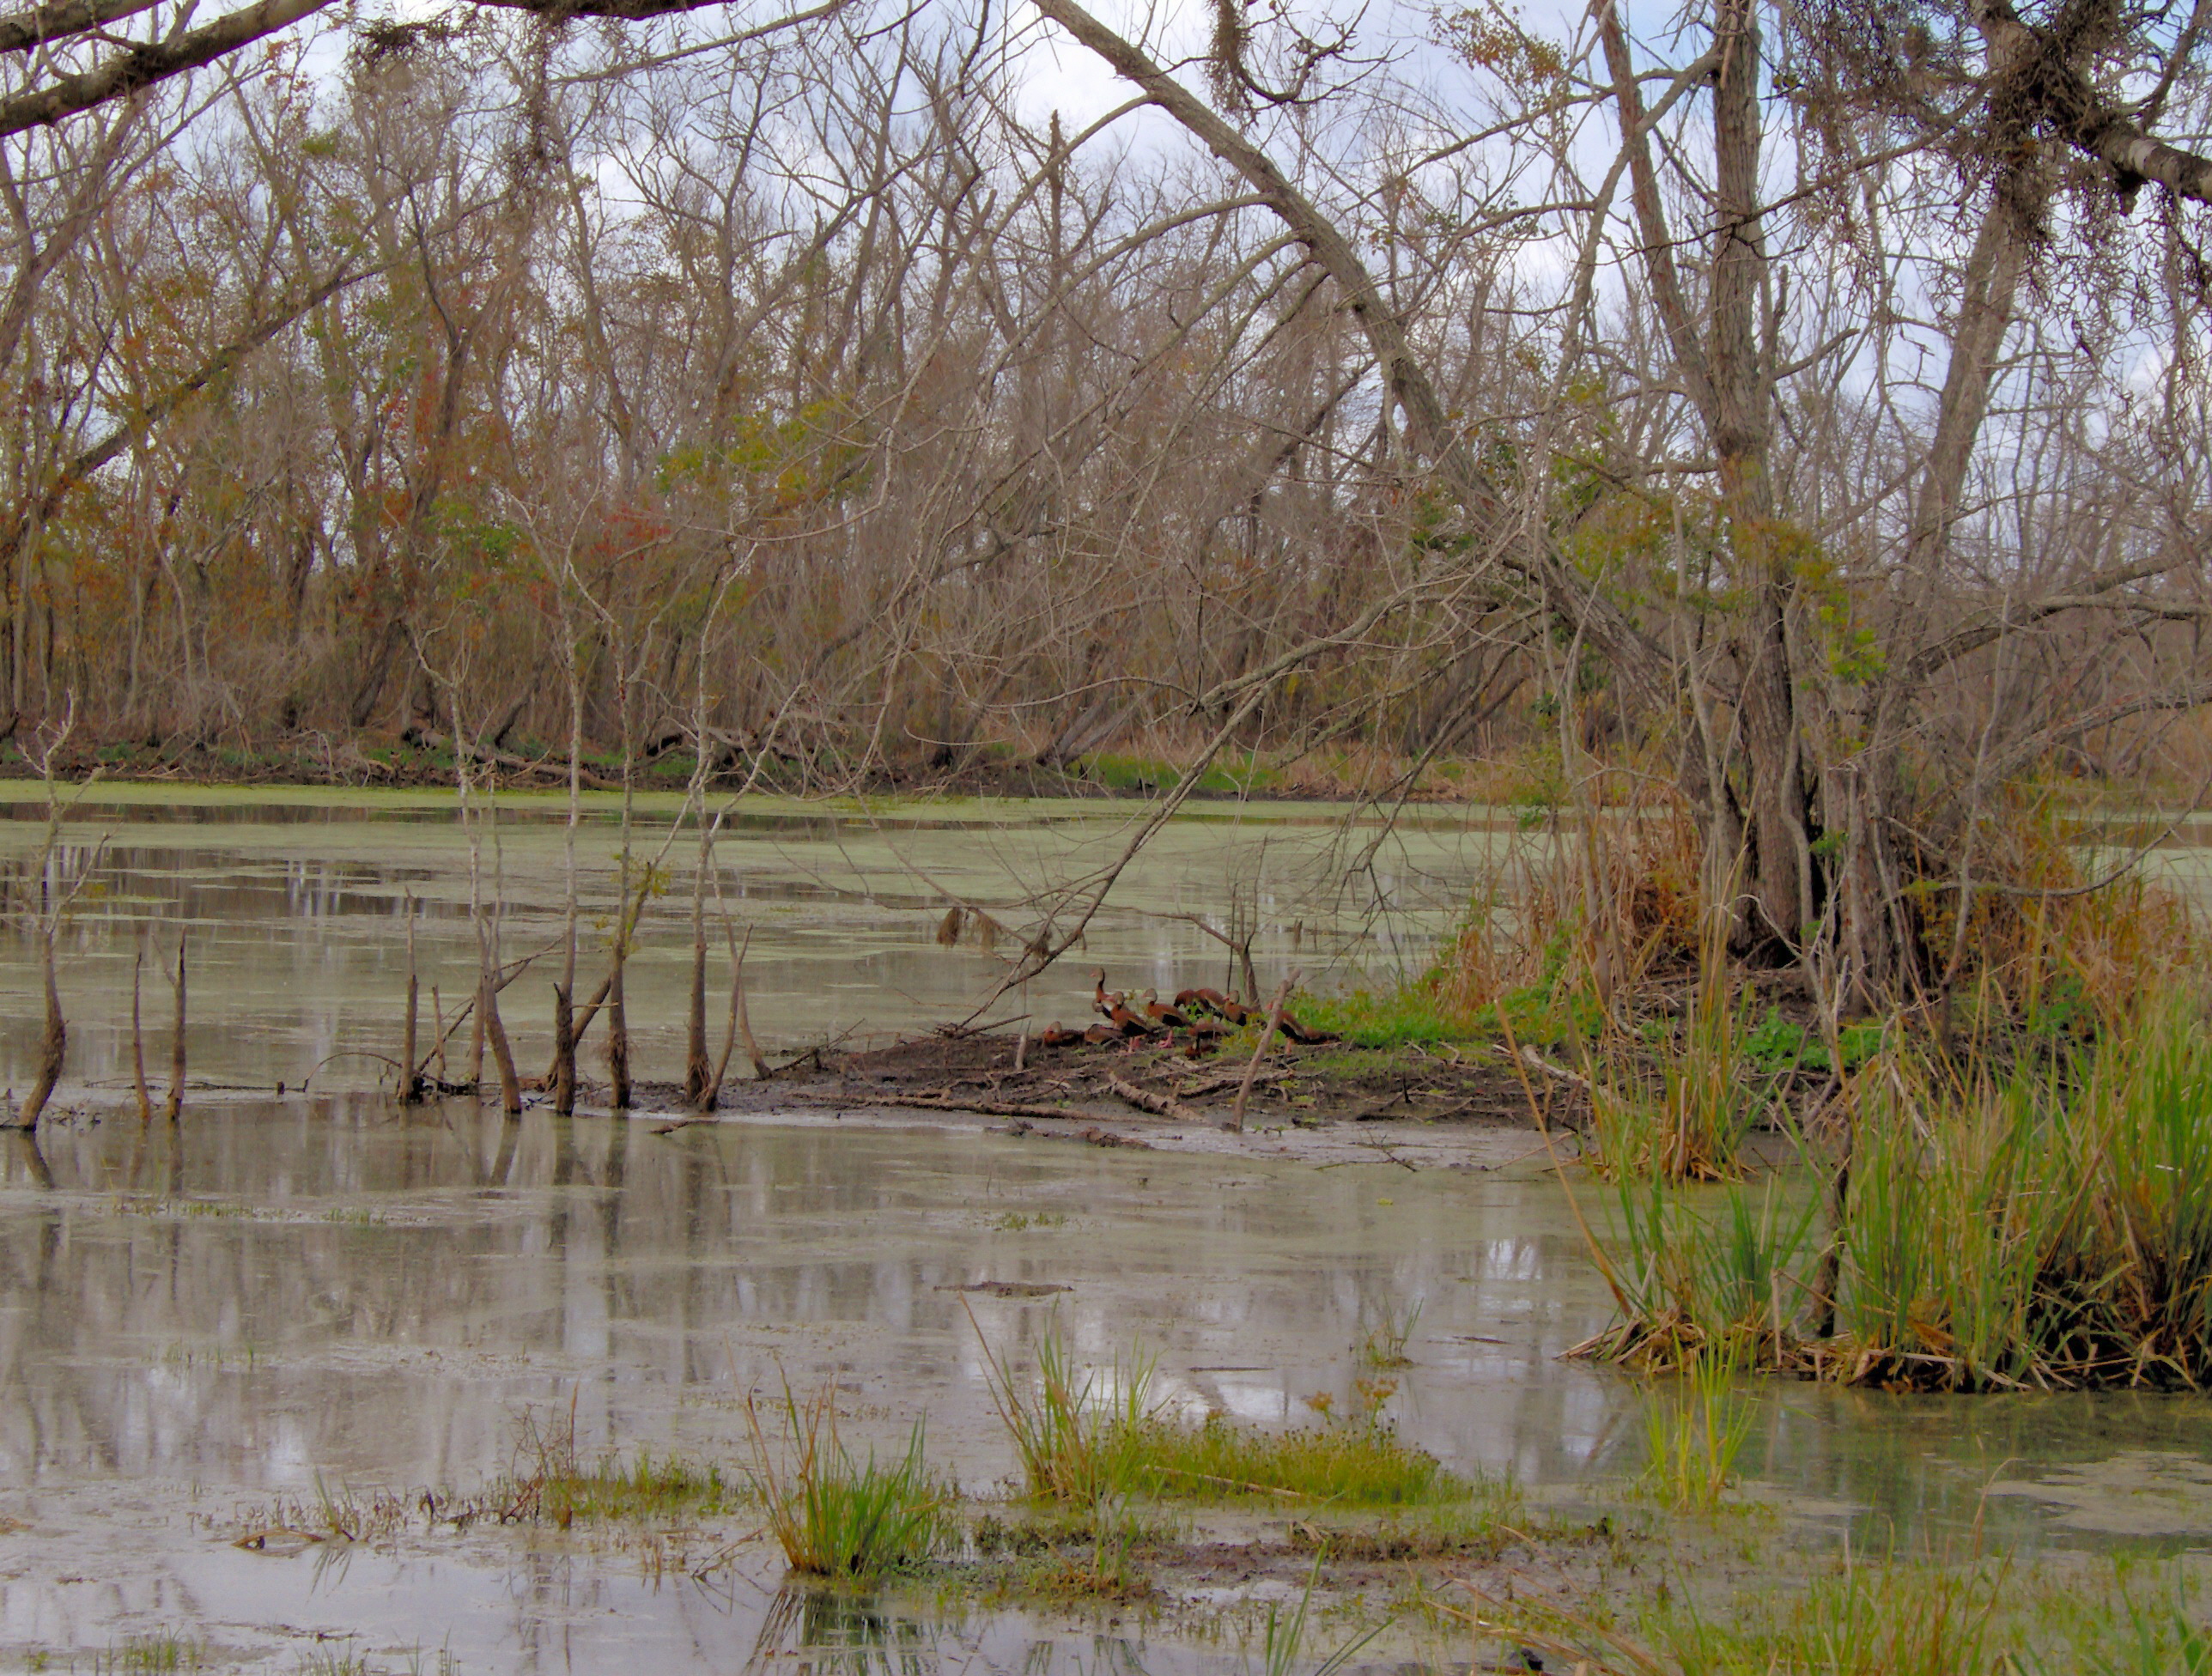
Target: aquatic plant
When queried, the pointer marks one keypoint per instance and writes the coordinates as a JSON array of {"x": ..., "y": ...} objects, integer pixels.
[
  {"x": 1694, "y": 1433},
  {"x": 835, "y": 1515},
  {"x": 1078, "y": 1439},
  {"x": 1359, "y": 1464},
  {"x": 1688, "y": 1123},
  {"x": 1284, "y": 1639},
  {"x": 1084, "y": 1441},
  {"x": 1726, "y": 1284},
  {"x": 150, "y": 1655},
  {"x": 2038, "y": 1225},
  {"x": 1384, "y": 1346},
  {"x": 551, "y": 1483}
]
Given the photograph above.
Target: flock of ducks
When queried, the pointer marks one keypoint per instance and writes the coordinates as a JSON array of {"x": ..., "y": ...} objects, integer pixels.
[{"x": 1205, "y": 1013}]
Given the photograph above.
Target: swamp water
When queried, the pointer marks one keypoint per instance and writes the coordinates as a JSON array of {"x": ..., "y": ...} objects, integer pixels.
[{"x": 326, "y": 1296}]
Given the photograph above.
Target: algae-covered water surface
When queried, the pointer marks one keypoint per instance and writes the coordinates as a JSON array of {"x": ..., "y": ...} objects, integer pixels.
[{"x": 279, "y": 1380}]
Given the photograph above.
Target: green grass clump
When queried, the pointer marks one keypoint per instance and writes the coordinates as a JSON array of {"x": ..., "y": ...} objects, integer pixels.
[
  {"x": 1693, "y": 1435},
  {"x": 642, "y": 1489},
  {"x": 1086, "y": 1440},
  {"x": 1408, "y": 1015},
  {"x": 160, "y": 1652},
  {"x": 1359, "y": 1465},
  {"x": 1076, "y": 1435},
  {"x": 1892, "y": 1617},
  {"x": 550, "y": 1482},
  {"x": 2038, "y": 1225},
  {"x": 835, "y": 1515}
]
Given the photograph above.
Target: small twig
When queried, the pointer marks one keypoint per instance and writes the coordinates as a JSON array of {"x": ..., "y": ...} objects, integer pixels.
[{"x": 1266, "y": 1038}]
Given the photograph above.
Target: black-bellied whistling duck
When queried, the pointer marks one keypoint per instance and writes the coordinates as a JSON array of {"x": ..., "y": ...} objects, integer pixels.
[
  {"x": 1210, "y": 1000},
  {"x": 1303, "y": 1034},
  {"x": 1099, "y": 1034},
  {"x": 1161, "y": 1013},
  {"x": 1131, "y": 1024},
  {"x": 1055, "y": 1035},
  {"x": 1098, "y": 996}
]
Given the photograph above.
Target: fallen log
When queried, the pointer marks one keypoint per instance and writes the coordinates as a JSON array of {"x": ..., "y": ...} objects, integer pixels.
[
  {"x": 944, "y": 1103},
  {"x": 1159, "y": 1105}
]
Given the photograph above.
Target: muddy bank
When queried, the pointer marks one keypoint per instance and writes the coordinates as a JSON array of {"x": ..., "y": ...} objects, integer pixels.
[{"x": 1325, "y": 1101}]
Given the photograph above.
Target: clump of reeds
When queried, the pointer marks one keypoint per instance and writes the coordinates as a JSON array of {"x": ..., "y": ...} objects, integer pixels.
[
  {"x": 835, "y": 1515},
  {"x": 2045, "y": 1227},
  {"x": 1077, "y": 1437},
  {"x": 551, "y": 1481},
  {"x": 1687, "y": 1123},
  {"x": 1084, "y": 1442},
  {"x": 2038, "y": 1225},
  {"x": 1694, "y": 1434},
  {"x": 1695, "y": 1279}
]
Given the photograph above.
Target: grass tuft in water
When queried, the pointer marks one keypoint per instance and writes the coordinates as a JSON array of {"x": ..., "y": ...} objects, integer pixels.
[
  {"x": 1076, "y": 1434},
  {"x": 1283, "y": 1641},
  {"x": 1086, "y": 1439},
  {"x": 2040, "y": 1224},
  {"x": 835, "y": 1515},
  {"x": 551, "y": 1483},
  {"x": 148, "y": 1655},
  {"x": 1384, "y": 1346},
  {"x": 1363, "y": 1465},
  {"x": 1693, "y": 1435}
]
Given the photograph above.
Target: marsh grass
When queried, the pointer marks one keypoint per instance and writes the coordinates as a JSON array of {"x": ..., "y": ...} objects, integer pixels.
[
  {"x": 1355, "y": 1465},
  {"x": 1087, "y": 1439},
  {"x": 550, "y": 1482},
  {"x": 1095, "y": 1554},
  {"x": 1077, "y": 1434},
  {"x": 1282, "y": 1639},
  {"x": 1689, "y": 1121},
  {"x": 149, "y": 1656},
  {"x": 1693, "y": 1435},
  {"x": 1890, "y": 1616},
  {"x": 2039, "y": 1223},
  {"x": 833, "y": 1515},
  {"x": 1715, "y": 1274},
  {"x": 1384, "y": 1344}
]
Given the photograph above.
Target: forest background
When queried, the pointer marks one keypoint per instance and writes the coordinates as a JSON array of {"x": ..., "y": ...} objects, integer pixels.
[{"x": 1789, "y": 416}]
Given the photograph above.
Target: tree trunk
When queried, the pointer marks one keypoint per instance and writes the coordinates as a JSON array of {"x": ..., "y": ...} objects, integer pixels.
[
  {"x": 53, "y": 1042},
  {"x": 138, "y": 1041},
  {"x": 494, "y": 1032},
  {"x": 1779, "y": 902},
  {"x": 409, "y": 1092},
  {"x": 563, "y": 1080},
  {"x": 698, "y": 1068},
  {"x": 617, "y": 1037},
  {"x": 175, "y": 1105}
]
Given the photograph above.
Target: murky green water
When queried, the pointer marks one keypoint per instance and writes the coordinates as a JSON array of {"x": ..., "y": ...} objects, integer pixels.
[
  {"x": 294, "y": 907},
  {"x": 331, "y": 1292}
]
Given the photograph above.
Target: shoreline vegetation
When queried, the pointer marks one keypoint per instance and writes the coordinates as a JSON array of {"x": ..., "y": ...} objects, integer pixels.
[
  {"x": 1991, "y": 1185},
  {"x": 1359, "y": 1543}
]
